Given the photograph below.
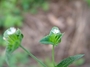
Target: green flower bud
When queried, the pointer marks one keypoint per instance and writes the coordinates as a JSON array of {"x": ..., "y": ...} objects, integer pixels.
[
  {"x": 53, "y": 38},
  {"x": 12, "y": 34},
  {"x": 13, "y": 38}
]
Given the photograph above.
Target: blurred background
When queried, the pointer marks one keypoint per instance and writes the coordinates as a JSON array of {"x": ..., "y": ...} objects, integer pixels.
[{"x": 35, "y": 18}]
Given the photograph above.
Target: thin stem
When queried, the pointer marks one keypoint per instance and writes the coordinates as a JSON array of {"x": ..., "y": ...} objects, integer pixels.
[
  {"x": 53, "y": 56},
  {"x": 33, "y": 56}
]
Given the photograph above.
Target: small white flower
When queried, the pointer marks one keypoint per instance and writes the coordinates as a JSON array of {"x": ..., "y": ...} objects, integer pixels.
[
  {"x": 11, "y": 31},
  {"x": 56, "y": 31}
]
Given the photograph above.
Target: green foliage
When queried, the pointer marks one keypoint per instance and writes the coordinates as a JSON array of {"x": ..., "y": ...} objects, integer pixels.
[
  {"x": 9, "y": 14},
  {"x": 66, "y": 62},
  {"x": 34, "y": 5},
  {"x": 13, "y": 38},
  {"x": 53, "y": 38},
  {"x": 39, "y": 61},
  {"x": 79, "y": 62},
  {"x": 48, "y": 62},
  {"x": 11, "y": 11},
  {"x": 21, "y": 58},
  {"x": 12, "y": 21},
  {"x": 17, "y": 60}
]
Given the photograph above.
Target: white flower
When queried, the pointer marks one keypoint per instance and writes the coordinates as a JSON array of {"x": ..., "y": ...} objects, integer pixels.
[
  {"x": 56, "y": 31},
  {"x": 11, "y": 31}
]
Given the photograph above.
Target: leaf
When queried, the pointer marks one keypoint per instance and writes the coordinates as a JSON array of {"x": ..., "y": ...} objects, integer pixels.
[
  {"x": 66, "y": 62},
  {"x": 79, "y": 62},
  {"x": 53, "y": 38},
  {"x": 13, "y": 38}
]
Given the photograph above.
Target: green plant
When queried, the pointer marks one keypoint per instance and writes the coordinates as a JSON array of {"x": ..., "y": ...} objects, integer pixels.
[
  {"x": 10, "y": 14},
  {"x": 11, "y": 11},
  {"x": 21, "y": 58},
  {"x": 79, "y": 62},
  {"x": 14, "y": 37},
  {"x": 48, "y": 62},
  {"x": 33, "y": 5},
  {"x": 17, "y": 58}
]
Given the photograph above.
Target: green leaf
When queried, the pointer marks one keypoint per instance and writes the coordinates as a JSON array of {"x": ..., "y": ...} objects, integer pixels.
[
  {"x": 66, "y": 62},
  {"x": 79, "y": 62},
  {"x": 53, "y": 38},
  {"x": 13, "y": 38}
]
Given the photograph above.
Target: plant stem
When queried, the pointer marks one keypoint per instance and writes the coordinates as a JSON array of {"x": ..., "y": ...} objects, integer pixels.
[
  {"x": 53, "y": 56},
  {"x": 33, "y": 56}
]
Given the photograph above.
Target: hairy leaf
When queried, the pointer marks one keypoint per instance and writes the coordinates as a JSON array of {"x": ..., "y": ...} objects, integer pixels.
[{"x": 66, "y": 62}]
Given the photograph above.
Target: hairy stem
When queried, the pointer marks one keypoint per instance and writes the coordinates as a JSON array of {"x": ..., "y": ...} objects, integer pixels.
[{"x": 33, "y": 56}]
